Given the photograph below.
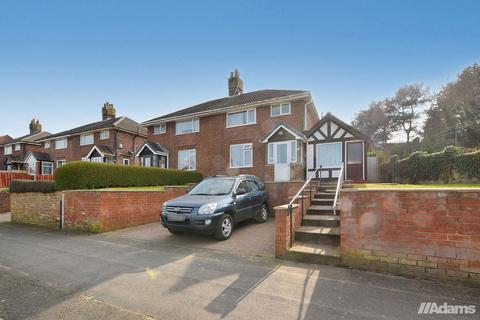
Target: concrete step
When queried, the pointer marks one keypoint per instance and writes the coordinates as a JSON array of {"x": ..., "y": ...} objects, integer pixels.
[
  {"x": 322, "y": 202},
  {"x": 324, "y": 195},
  {"x": 320, "y": 210},
  {"x": 314, "y": 253},
  {"x": 327, "y": 221},
  {"x": 317, "y": 234}
]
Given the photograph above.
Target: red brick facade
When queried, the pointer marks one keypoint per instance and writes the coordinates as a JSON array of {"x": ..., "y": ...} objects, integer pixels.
[
  {"x": 212, "y": 143},
  {"x": 427, "y": 233},
  {"x": 130, "y": 143}
]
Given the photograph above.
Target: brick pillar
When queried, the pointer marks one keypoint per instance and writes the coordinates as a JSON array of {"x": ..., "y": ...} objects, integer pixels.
[{"x": 282, "y": 228}]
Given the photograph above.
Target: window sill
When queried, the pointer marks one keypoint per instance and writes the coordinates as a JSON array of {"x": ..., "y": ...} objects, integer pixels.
[
  {"x": 180, "y": 134},
  {"x": 243, "y": 167},
  {"x": 242, "y": 125},
  {"x": 280, "y": 115}
]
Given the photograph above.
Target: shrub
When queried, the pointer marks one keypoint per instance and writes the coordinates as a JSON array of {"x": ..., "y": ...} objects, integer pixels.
[
  {"x": 440, "y": 166},
  {"x": 22, "y": 186},
  {"x": 91, "y": 175}
]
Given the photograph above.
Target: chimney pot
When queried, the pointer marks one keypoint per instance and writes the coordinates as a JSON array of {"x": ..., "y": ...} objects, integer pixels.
[
  {"x": 235, "y": 84},
  {"x": 108, "y": 111},
  {"x": 35, "y": 126}
]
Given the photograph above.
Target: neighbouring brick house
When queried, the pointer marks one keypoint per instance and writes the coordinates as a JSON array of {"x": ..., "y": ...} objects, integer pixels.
[
  {"x": 260, "y": 133},
  {"x": 14, "y": 151},
  {"x": 113, "y": 139}
]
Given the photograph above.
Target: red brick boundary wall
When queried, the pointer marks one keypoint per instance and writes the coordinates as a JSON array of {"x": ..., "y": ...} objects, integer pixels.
[
  {"x": 4, "y": 201},
  {"x": 94, "y": 211},
  {"x": 282, "y": 224},
  {"x": 37, "y": 208},
  {"x": 101, "y": 211},
  {"x": 412, "y": 232},
  {"x": 278, "y": 193}
]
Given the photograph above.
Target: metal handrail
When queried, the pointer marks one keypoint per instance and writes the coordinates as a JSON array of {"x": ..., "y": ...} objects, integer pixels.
[
  {"x": 337, "y": 192},
  {"x": 290, "y": 204}
]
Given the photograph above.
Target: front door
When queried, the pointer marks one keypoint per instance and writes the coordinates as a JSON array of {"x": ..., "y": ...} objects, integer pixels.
[
  {"x": 282, "y": 165},
  {"x": 355, "y": 161}
]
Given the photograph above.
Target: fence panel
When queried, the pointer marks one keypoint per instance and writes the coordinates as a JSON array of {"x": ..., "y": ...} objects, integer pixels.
[{"x": 7, "y": 176}]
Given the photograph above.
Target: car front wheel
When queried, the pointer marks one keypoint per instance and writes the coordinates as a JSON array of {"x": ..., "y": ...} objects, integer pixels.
[
  {"x": 262, "y": 215},
  {"x": 225, "y": 228}
]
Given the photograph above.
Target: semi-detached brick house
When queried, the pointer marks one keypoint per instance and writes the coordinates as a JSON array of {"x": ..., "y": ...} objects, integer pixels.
[
  {"x": 260, "y": 133},
  {"x": 14, "y": 151},
  {"x": 114, "y": 140}
]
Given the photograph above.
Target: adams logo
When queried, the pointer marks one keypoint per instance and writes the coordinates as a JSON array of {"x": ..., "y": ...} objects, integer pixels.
[{"x": 433, "y": 308}]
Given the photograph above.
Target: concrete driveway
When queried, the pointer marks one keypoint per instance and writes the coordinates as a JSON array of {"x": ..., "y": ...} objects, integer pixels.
[{"x": 145, "y": 273}]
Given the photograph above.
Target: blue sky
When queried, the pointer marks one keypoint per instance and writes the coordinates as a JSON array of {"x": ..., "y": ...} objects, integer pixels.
[{"x": 60, "y": 60}]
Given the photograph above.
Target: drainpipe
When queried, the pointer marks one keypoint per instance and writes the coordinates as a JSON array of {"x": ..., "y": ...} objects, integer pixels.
[{"x": 62, "y": 212}]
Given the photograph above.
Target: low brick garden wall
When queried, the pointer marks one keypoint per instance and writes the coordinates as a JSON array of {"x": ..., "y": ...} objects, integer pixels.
[
  {"x": 432, "y": 233},
  {"x": 101, "y": 211},
  {"x": 4, "y": 201},
  {"x": 37, "y": 208},
  {"x": 279, "y": 192},
  {"x": 94, "y": 211}
]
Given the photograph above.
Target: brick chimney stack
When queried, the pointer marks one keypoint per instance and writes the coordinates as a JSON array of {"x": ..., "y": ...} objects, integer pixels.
[
  {"x": 35, "y": 126},
  {"x": 108, "y": 111},
  {"x": 235, "y": 84}
]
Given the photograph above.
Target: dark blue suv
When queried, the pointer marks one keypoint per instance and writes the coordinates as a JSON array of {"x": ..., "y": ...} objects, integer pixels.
[{"x": 215, "y": 205}]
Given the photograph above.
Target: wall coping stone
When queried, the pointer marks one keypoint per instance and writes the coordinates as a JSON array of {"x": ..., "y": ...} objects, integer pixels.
[
  {"x": 285, "y": 206},
  {"x": 413, "y": 190}
]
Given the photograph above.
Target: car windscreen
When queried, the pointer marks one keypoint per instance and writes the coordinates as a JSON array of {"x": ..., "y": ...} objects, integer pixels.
[{"x": 212, "y": 187}]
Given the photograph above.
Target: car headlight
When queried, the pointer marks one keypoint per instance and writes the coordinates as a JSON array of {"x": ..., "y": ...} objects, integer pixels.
[
  {"x": 164, "y": 209},
  {"x": 208, "y": 208}
]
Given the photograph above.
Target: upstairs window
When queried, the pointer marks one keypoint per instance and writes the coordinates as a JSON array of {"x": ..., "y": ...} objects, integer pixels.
[
  {"x": 241, "y": 118},
  {"x": 61, "y": 143},
  {"x": 160, "y": 129},
  {"x": 104, "y": 135},
  {"x": 188, "y": 126},
  {"x": 281, "y": 109},
  {"x": 7, "y": 150},
  {"x": 86, "y": 139},
  {"x": 17, "y": 147},
  {"x": 46, "y": 145}
]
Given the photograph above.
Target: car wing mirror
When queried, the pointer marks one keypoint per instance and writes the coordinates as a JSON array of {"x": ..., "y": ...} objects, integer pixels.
[
  {"x": 187, "y": 190},
  {"x": 240, "y": 191}
]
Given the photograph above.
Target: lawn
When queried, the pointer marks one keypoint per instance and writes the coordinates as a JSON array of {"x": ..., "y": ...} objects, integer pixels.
[{"x": 412, "y": 186}]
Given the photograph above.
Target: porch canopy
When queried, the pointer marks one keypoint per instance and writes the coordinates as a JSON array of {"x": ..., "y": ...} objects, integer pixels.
[
  {"x": 100, "y": 154},
  {"x": 153, "y": 154}
]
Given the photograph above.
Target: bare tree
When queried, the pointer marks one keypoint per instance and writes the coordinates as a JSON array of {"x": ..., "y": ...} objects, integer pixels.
[{"x": 404, "y": 108}]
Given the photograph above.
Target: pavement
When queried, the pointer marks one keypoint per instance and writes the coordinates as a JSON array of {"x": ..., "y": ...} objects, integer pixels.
[{"x": 146, "y": 273}]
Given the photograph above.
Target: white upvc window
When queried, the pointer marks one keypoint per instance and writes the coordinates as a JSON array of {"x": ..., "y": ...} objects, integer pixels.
[
  {"x": 188, "y": 126},
  {"x": 281, "y": 109},
  {"x": 104, "y": 134},
  {"x": 61, "y": 162},
  {"x": 7, "y": 150},
  {"x": 47, "y": 168},
  {"x": 241, "y": 118},
  {"x": 241, "y": 155},
  {"x": 126, "y": 162},
  {"x": 46, "y": 145},
  {"x": 329, "y": 155},
  {"x": 17, "y": 147},
  {"x": 86, "y": 139},
  {"x": 187, "y": 159},
  {"x": 160, "y": 129},
  {"x": 282, "y": 152},
  {"x": 61, "y": 143}
]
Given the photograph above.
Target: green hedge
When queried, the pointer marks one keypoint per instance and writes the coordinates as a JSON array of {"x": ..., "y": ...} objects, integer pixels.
[
  {"x": 445, "y": 166},
  {"x": 22, "y": 186},
  {"x": 92, "y": 175}
]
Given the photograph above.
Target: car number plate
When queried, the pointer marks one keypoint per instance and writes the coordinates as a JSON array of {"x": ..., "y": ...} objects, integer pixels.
[{"x": 175, "y": 217}]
